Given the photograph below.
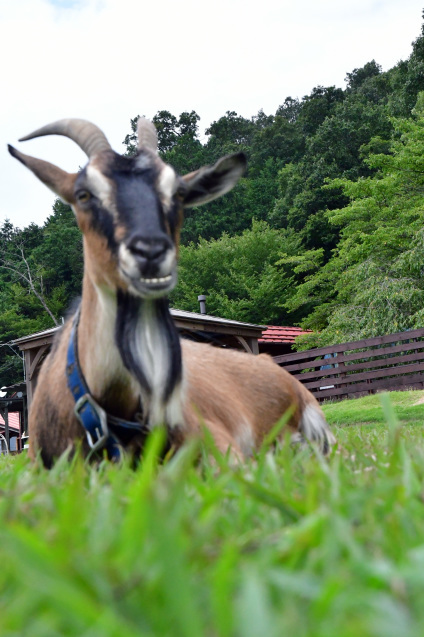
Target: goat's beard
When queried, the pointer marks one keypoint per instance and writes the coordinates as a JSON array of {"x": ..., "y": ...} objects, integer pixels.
[{"x": 149, "y": 344}]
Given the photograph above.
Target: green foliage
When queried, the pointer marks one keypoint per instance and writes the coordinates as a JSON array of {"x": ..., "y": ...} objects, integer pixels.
[
  {"x": 239, "y": 275},
  {"x": 40, "y": 272},
  {"x": 60, "y": 251},
  {"x": 334, "y": 149},
  {"x": 410, "y": 77},
  {"x": 287, "y": 544},
  {"x": 229, "y": 134},
  {"x": 357, "y": 77},
  {"x": 373, "y": 284}
]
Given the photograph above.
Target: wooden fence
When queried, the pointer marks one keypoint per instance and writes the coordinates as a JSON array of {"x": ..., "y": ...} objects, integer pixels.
[{"x": 394, "y": 361}]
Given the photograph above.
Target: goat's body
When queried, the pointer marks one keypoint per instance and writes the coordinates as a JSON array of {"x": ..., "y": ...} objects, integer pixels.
[
  {"x": 240, "y": 397},
  {"x": 237, "y": 396}
]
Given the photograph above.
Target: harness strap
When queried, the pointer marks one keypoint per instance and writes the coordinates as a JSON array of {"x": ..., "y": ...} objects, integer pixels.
[{"x": 103, "y": 430}]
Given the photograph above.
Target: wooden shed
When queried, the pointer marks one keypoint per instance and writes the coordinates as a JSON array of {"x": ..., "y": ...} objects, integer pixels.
[{"x": 13, "y": 418}]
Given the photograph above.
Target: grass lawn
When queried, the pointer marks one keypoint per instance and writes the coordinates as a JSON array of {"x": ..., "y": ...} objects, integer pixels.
[
  {"x": 408, "y": 405},
  {"x": 287, "y": 545}
]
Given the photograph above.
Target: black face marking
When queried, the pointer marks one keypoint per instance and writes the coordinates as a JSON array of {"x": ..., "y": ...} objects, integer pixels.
[
  {"x": 170, "y": 332},
  {"x": 174, "y": 216},
  {"x": 128, "y": 320},
  {"x": 139, "y": 208},
  {"x": 139, "y": 205},
  {"x": 101, "y": 220},
  {"x": 126, "y": 333}
]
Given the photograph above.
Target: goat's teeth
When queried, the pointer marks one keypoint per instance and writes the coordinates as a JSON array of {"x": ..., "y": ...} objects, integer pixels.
[{"x": 162, "y": 279}]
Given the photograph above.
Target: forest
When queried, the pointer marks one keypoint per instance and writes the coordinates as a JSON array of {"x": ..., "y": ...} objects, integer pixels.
[{"x": 325, "y": 230}]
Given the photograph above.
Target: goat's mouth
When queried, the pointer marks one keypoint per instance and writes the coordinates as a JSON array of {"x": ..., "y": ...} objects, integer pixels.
[
  {"x": 144, "y": 277},
  {"x": 150, "y": 286}
]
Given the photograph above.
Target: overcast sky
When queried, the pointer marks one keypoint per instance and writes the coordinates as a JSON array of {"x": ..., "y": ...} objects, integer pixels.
[{"x": 109, "y": 60}]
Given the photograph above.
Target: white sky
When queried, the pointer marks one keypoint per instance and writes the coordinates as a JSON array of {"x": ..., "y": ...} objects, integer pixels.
[{"x": 109, "y": 60}]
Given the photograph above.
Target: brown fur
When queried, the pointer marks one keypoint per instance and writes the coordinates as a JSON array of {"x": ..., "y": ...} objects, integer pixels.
[
  {"x": 237, "y": 394},
  {"x": 53, "y": 427}
]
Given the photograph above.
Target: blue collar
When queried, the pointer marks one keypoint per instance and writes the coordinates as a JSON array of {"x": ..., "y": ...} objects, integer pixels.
[{"x": 103, "y": 431}]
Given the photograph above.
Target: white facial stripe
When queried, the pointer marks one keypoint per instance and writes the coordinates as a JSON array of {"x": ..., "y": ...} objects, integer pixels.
[
  {"x": 169, "y": 261},
  {"x": 167, "y": 184},
  {"x": 127, "y": 261},
  {"x": 99, "y": 185}
]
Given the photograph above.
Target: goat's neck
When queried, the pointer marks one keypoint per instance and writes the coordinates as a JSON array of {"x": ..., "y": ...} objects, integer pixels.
[{"x": 130, "y": 347}]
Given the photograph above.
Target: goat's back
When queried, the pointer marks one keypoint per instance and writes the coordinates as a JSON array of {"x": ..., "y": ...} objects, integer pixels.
[{"x": 244, "y": 394}]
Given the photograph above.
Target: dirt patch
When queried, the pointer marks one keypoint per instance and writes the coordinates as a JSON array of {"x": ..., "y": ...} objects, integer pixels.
[{"x": 420, "y": 400}]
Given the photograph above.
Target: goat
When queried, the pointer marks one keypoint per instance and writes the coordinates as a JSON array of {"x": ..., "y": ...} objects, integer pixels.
[{"x": 118, "y": 367}]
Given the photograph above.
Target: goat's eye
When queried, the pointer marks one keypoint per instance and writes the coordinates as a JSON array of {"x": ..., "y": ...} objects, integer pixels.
[{"x": 83, "y": 196}]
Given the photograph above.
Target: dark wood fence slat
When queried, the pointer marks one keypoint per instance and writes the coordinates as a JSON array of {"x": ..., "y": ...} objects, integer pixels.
[
  {"x": 355, "y": 373},
  {"x": 366, "y": 388},
  {"x": 368, "y": 376},
  {"x": 348, "y": 369},
  {"x": 343, "y": 358},
  {"x": 342, "y": 347}
]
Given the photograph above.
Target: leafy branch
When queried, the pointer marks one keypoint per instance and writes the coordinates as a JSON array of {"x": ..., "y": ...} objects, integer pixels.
[{"x": 17, "y": 263}]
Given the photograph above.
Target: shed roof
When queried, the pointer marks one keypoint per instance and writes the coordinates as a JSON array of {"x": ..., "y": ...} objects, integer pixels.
[
  {"x": 277, "y": 334},
  {"x": 13, "y": 419},
  {"x": 183, "y": 319}
]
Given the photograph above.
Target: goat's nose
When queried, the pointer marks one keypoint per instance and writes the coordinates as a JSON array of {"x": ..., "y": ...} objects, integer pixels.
[{"x": 149, "y": 251}]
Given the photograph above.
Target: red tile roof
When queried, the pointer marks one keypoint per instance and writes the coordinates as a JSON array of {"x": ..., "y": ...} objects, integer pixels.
[
  {"x": 276, "y": 334},
  {"x": 13, "y": 420}
]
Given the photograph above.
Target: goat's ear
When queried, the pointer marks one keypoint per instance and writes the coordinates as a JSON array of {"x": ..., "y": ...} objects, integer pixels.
[
  {"x": 58, "y": 180},
  {"x": 211, "y": 182}
]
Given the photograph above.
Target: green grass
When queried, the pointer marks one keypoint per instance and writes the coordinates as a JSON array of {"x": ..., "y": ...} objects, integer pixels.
[
  {"x": 368, "y": 410},
  {"x": 288, "y": 544}
]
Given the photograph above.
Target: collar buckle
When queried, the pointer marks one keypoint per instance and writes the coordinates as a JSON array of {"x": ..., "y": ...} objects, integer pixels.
[{"x": 94, "y": 420}]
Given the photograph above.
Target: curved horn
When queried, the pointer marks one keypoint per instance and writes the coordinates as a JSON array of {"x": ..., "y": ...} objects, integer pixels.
[
  {"x": 147, "y": 135},
  {"x": 87, "y": 135}
]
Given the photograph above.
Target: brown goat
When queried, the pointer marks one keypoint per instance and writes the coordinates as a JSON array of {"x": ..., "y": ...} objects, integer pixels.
[{"x": 119, "y": 361}]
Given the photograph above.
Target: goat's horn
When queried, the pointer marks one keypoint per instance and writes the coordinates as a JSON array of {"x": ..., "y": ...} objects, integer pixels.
[
  {"x": 147, "y": 135},
  {"x": 87, "y": 135}
]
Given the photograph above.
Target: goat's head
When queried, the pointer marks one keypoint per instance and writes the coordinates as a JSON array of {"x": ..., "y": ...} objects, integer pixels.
[{"x": 130, "y": 209}]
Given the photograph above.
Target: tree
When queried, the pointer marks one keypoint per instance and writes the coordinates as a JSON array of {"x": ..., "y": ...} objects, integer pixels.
[
  {"x": 317, "y": 106},
  {"x": 357, "y": 77},
  {"x": 40, "y": 272},
  {"x": 410, "y": 80},
  {"x": 374, "y": 282},
  {"x": 338, "y": 129},
  {"x": 229, "y": 134},
  {"x": 61, "y": 253},
  {"x": 14, "y": 259},
  {"x": 268, "y": 142},
  {"x": 239, "y": 275}
]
